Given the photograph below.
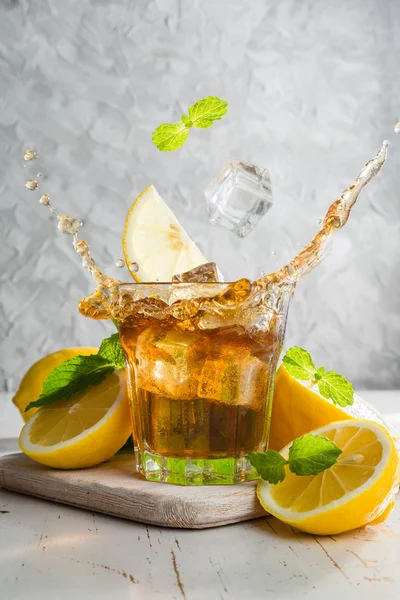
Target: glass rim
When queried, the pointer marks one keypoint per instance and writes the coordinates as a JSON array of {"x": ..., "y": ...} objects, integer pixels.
[{"x": 136, "y": 284}]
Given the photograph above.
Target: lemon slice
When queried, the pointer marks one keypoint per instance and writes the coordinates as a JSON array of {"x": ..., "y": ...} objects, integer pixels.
[
  {"x": 82, "y": 431},
  {"x": 32, "y": 382},
  {"x": 154, "y": 244},
  {"x": 298, "y": 409},
  {"x": 359, "y": 489}
]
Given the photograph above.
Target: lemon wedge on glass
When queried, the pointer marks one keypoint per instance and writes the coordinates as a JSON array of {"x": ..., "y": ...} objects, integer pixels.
[
  {"x": 84, "y": 430},
  {"x": 358, "y": 490},
  {"x": 154, "y": 244}
]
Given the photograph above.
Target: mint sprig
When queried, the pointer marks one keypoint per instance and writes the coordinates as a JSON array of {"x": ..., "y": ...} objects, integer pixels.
[
  {"x": 80, "y": 372},
  {"x": 308, "y": 455},
  {"x": 170, "y": 136},
  {"x": 110, "y": 349},
  {"x": 202, "y": 114},
  {"x": 331, "y": 385}
]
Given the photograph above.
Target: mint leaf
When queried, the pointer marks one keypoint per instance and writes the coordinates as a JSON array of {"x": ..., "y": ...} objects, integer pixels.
[
  {"x": 298, "y": 362},
  {"x": 186, "y": 121},
  {"x": 269, "y": 465},
  {"x": 115, "y": 323},
  {"x": 170, "y": 136},
  {"x": 319, "y": 374},
  {"x": 111, "y": 350},
  {"x": 204, "y": 112},
  {"x": 312, "y": 454},
  {"x": 336, "y": 387},
  {"x": 72, "y": 376}
]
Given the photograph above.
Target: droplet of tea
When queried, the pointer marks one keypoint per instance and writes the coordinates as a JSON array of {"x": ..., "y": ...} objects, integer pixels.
[
  {"x": 120, "y": 263},
  {"x": 273, "y": 252},
  {"x": 396, "y": 128},
  {"x": 69, "y": 225},
  {"x": 30, "y": 155},
  {"x": 45, "y": 199},
  {"x": 32, "y": 185},
  {"x": 319, "y": 221},
  {"x": 134, "y": 267}
]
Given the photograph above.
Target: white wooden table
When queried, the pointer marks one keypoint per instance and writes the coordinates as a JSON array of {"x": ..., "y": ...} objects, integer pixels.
[{"x": 50, "y": 551}]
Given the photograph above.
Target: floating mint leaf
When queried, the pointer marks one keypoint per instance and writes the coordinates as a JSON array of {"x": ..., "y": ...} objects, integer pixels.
[
  {"x": 111, "y": 350},
  {"x": 170, "y": 136},
  {"x": 336, "y": 387},
  {"x": 269, "y": 465},
  {"x": 312, "y": 454},
  {"x": 204, "y": 112},
  {"x": 186, "y": 121},
  {"x": 298, "y": 362},
  {"x": 72, "y": 376},
  {"x": 319, "y": 374}
]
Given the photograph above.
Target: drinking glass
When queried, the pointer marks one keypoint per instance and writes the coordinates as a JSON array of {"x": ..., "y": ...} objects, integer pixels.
[{"x": 201, "y": 360}]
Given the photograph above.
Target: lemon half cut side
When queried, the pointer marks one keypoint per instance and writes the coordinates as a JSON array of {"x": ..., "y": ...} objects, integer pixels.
[{"x": 358, "y": 490}]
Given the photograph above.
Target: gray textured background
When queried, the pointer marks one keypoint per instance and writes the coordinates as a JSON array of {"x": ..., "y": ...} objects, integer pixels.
[{"x": 313, "y": 88}]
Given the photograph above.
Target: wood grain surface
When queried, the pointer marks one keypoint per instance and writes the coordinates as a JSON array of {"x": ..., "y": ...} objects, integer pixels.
[{"x": 115, "y": 489}]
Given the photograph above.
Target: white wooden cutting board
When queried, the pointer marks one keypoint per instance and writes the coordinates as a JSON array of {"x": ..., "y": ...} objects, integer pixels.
[{"x": 115, "y": 489}]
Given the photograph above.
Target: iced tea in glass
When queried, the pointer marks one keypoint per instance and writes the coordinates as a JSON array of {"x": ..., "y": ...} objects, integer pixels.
[{"x": 201, "y": 359}]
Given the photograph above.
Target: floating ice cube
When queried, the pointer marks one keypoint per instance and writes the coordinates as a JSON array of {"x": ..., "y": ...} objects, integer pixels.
[
  {"x": 208, "y": 272},
  {"x": 239, "y": 196}
]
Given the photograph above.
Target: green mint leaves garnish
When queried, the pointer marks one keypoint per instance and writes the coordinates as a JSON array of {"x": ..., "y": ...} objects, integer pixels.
[
  {"x": 269, "y": 465},
  {"x": 111, "y": 350},
  {"x": 312, "y": 454},
  {"x": 331, "y": 385},
  {"x": 203, "y": 113},
  {"x": 80, "y": 372},
  {"x": 337, "y": 388},
  {"x": 299, "y": 363},
  {"x": 308, "y": 455}
]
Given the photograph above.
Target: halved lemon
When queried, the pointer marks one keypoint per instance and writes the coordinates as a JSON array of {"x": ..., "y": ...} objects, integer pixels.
[
  {"x": 32, "y": 382},
  {"x": 82, "y": 431},
  {"x": 154, "y": 244},
  {"x": 298, "y": 409},
  {"x": 358, "y": 490}
]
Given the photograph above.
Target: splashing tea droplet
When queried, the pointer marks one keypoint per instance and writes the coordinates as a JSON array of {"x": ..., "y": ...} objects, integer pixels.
[
  {"x": 30, "y": 155},
  {"x": 45, "y": 199},
  {"x": 396, "y": 128},
  {"x": 120, "y": 263},
  {"x": 32, "y": 185},
  {"x": 39, "y": 174},
  {"x": 69, "y": 225},
  {"x": 134, "y": 267}
]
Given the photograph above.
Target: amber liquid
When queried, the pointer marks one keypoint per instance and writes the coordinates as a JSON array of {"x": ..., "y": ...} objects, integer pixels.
[
  {"x": 198, "y": 394},
  {"x": 197, "y": 428}
]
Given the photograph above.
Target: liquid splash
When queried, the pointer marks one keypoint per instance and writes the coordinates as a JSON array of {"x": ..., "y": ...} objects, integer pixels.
[
  {"x": 30, "y": 155},
  {"x": 113, "y": 300},
  {"x": 98, "y": 302},
  {"x": 32, "y": 185},
  {"x": 336, "y": 217}
]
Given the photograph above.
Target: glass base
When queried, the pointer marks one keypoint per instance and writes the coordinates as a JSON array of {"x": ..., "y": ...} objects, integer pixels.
[{"x": 189, "y": 471}]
